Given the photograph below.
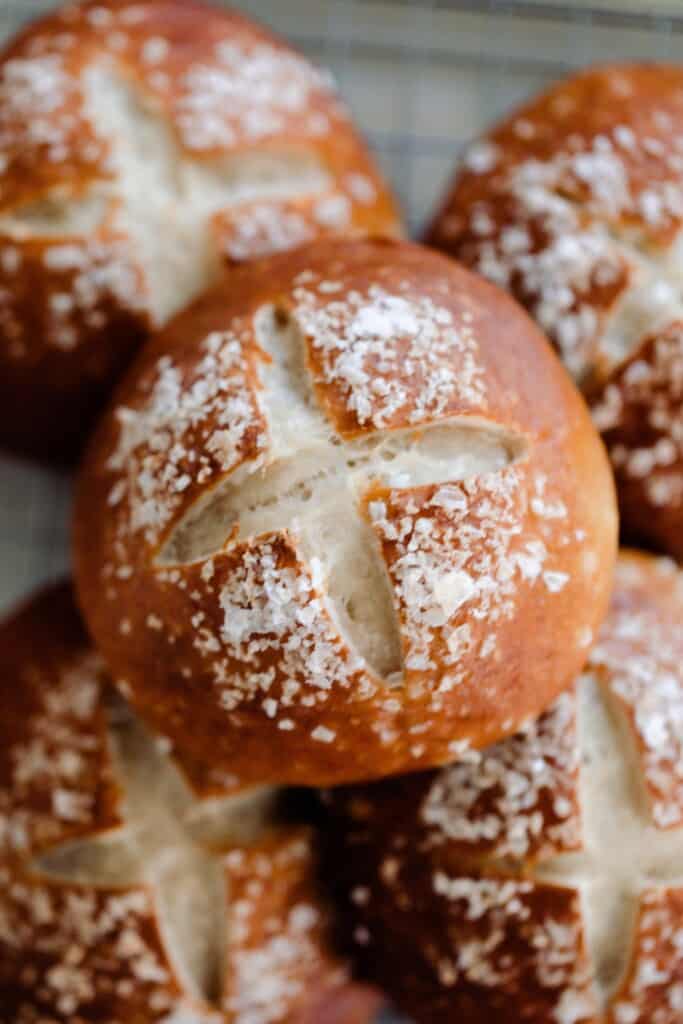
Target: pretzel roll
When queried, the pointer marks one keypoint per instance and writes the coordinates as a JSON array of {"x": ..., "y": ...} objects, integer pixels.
[
  {"x": 326, "y": 512},
  {"x": 575, "y": 204},
  {"x": 141, "y": 143},
  {"x": 121, "y": 897},
  {"x": 541, "y": 881}
]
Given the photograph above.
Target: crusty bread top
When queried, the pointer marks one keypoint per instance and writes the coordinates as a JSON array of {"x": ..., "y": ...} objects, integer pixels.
[
  {"x": 220, "y": 111},
  {"x": 54, "y": 767},
  {"x": 574, "y": 202},
  {"x": 323, "y": 510},
  {"x": 542, "y": 879},
  {"x": 640, "y": 415},
  {"x": 121, "y": 898}
]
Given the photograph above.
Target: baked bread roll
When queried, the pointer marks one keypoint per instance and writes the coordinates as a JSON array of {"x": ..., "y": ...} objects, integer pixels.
[
  {"x": 575, "y": 203},
  {"x": 327, "y": 509},
  {"x": 139, "y": 143},
  {"x": 121, "y": 897},
  {"x": 542, "y": 881}
]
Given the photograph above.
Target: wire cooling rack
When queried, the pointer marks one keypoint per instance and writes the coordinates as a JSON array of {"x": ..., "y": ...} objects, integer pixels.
[{"x": 422, "y": 77}]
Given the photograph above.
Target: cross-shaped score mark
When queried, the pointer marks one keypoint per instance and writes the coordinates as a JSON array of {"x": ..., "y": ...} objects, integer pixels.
[
  {"x": 313, "y": 484},
  {"x": 624, "y": 853},
  {"x": 166, "y": 843},
  {"x": 159, "y": 197}
]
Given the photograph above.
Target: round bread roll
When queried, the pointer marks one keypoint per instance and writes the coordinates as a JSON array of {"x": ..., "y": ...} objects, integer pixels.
[
  {"x": 141, "y": 142},
  {"x": 575, "y": 204},
  {"x": 541, "y": 881},
  {"x": 326, "y": 511},
  {"x": 123, "y": 899}
]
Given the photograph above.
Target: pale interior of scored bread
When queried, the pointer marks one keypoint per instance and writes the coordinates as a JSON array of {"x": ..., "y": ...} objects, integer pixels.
[
  {"x": 312, "y": 484},
  {"x": 58, "y": 215},
  {"x": 158, "y": 196},
  {"x": 624, "y": 852},
  {"x": 653, "y": 299},
  {"x": 172, "y": 843}
]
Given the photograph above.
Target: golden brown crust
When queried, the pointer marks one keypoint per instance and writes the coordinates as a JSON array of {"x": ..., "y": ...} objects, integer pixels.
[
  {"x": 639, "y": 658},
  {"x": 652, "y": 987},
  {"x": 52, "y": 717},
  {"x": 74, "y": 300},
  {"x": 447, "y": 877},
  {"x": 575, "y": 204},
  {"x": 281, "y": 924},
  {"x": 500, "y": 924},
  {"x": 83, "y": 949},
  {"x": 531, "y": 543},
  {"x": 48, "y": 925},
  {"x": 49, "y": 394},
  {"x": 640, "y": 413}
]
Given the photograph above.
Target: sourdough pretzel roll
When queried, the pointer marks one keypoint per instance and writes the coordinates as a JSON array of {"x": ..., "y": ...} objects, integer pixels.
[
  {"x": 121, "y": 898},
  {"x": 575, "y": 203},
  {"x": 541, "y": 881},
  {"x": 140, "y": 142},
  {"x": 325, "y": 511}
]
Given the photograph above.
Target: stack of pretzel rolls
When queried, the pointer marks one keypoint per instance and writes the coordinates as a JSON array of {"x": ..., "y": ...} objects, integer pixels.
[{"x": 344, "y": 705}]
